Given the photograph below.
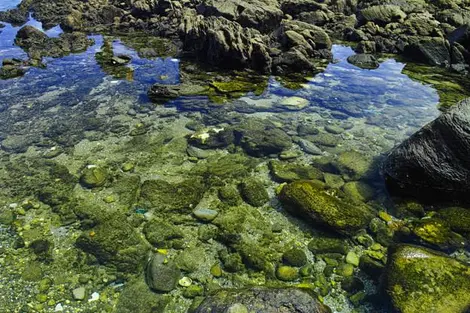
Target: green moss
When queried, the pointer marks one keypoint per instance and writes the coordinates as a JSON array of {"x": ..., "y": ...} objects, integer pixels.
[
  {"x": 457, "y": 218},
  {"x": 191, "y": 259},
  {"x": 354, "y": 164},
  {"x": 253, "y": 192},
  {"x": 162, "y": 234},
  {"x": 165, "y": 197},
  {"x": 288, "y": 172},
  {"x": 229, "y": 195},
  {"x": 294, "y": 257},
  {"x": 193, "y": 291},
  {"x": 452, "y": 88},
  {"x": 93, "y": 177},
  {"x": 115, "y": 242},
  {"x": 437, "y": 233},
  {"x": 308, "y": 199},
  {"x": 422, "y": 280},
  {"x": 287, "y": 273},
  {"x": 137, "y": 297},
  {"x": 359, "y": 191}
]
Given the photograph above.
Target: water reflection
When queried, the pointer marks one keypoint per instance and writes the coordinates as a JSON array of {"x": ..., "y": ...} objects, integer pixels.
[
  {"x": 8, "y": 4},
  {"x": 8, "y": 34}
]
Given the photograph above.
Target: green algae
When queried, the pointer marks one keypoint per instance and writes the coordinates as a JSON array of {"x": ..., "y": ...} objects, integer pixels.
[
  {"x": 421, "y": 279},
  {"x": 306, "y": 198},
  {"x": 452, "y": 88}
]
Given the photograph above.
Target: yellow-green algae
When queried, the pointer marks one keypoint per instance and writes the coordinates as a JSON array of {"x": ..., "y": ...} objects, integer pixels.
[
  {"x": 322, "y": 207},
  {"x": 423, "y": 280}
]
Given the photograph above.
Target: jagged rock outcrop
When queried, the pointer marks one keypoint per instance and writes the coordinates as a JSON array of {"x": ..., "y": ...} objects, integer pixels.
[{"x": 433, "y": 163}]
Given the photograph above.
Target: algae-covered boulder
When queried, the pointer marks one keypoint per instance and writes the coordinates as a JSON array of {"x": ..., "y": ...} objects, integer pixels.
[
  {"x": 181, "y": 197},
  {"x": 288, "y": 172},
  {"x": 436, "y": 233},
  {"x": 355, "y": 165},
  {"x": 433, "y": 163},
  {"x": 253, "y": 192},
  {"x": 260, "y": 138},
  {"x": 137, "y": 297},
  {"x": 115, "y": 242},
  {"x": 162, "y": 234},
  {"x": 161, "y": 275},
  {"x": 383, "y": 14},
  {"x": 364, "y": 61},
  {"x": 309, "y": 199},
  {"x": 457, "y": 218},
  {"x": 93, "y": 176},
  {"x": 422, "y": 280},
  {"x": 262, "y": 299}
]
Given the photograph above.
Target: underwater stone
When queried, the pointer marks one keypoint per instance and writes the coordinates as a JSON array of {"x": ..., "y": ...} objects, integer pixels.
[
  {"x": 161, "y": 234},
  {"x": 352, "y": 258},
  {"x": 423, "y": 280},
  {"x": 437, "y": 233},
  {"x": 354, "y": 164},
  {"x": 294, "y": 103},
  {"x": 261, "y": 138},
  {"x": 161, "y": 275},
  {"x": 17, "y": 143},
  {"x": 197, "y": 153},
  {"x": 93, "y": 176},
  {"x": 137, "y": 297},
  {"x": 181, "y": 197},
  {"x": 324, "y": 243},
  {"x": 79, "y": 293},
  {"x": 253, "y": 192},
  {"x": 325, "y": 139},
  {"x": 287, "y": 273},
  {"x": 309, "y": 147},
  {"x": 205, "y": 215},
  {"x": 295, "y": 257},
  {"x": 334, "y": 129},
  {"x": 263, "y": 299},
  {"x": 115, "y": 242},
  {"x": 457, "y": 218},
  {"x": 359, "y": 191},
  {"x": 308, "y": 199},
  {"x": 229, "y": 195},
  {"x": 333, "y": 181},
  {"x": 288, "y": 172}
]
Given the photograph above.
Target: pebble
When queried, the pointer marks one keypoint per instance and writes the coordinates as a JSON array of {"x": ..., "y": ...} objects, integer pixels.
[
  {"x": 185, "y": 281},
  {"x": 79, "y": 293},
  {"x": 309, "y": 147},
  {"x": 58, "y": 308},
  {"x": 205, "y": 215},
  {"x": 352, "y": 258},
  {"x": 94, "y": 297}
]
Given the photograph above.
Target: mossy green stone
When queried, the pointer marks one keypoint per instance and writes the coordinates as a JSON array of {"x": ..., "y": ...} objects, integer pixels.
[
  {"x": 193, "y": 291},
  {"x": 308, "y": 199},
  {"x": 354, "y": 164},
  {"x": 295, "y": 257},
  {"x": 423, "y": 280},
  {"x": 230, "y": 195},
  {"x": 253, "y": 192},
  {"x": 359, "y": 191},
  {"x": 287, "y": 273},
  {"x": 289, "y": 172},
  {"x": 93, "y": 177},
  {"x": 437, "y": 232},
  {"x": 457, "y": 218},
  {"x": 327, "y": 244},
  {"x": 180, "y": 197}
]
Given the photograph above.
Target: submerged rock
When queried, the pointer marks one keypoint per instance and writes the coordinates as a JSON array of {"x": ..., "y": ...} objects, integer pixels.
[
  {"x": 433, "y": 163},
  {"x": 422, "y": 280},
  {"x": 262, "y": 299},
  {"x": 309, "y": 199},
  {"x": 162, "y": 275},
  {"x": 253, "y": 192},
  {"x": 115, "y": 242}
]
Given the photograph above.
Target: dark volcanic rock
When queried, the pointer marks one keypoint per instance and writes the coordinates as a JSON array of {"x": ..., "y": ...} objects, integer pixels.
[
  {"x": 262, "y": 299},
  {"x": 433, "y": 163},
  {"x": 433, "y": 51}
]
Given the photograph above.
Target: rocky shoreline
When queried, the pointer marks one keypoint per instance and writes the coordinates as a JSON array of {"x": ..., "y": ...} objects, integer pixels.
[{"x": 274, "y": 36}]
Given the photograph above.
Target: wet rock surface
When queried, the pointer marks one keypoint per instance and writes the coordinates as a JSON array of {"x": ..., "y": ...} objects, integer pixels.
[
  {"x": 420, "y": 279},
  {"x": 261, "y": 298},
  {"x": 432, "y": 163}
]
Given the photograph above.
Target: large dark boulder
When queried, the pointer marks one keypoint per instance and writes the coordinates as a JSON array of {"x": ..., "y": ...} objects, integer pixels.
[
  {"x": 262, "y": 299},
  {"x": 429, "y": 50},
  {"x": 433, "y": 164}
]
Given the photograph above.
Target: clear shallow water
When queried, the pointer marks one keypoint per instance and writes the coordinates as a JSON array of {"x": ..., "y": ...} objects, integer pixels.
[
  {"x": 8, "y": 4},
  {"x": 90, "y": 116}
]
